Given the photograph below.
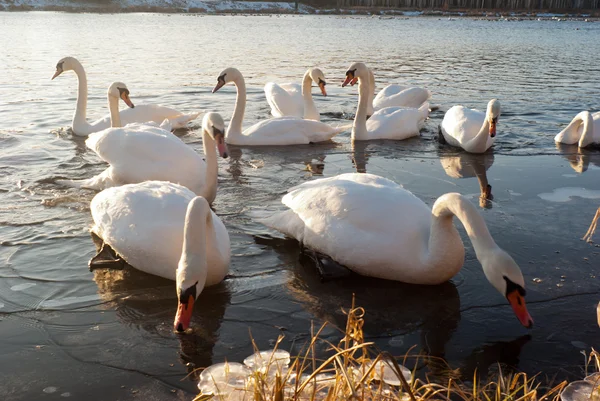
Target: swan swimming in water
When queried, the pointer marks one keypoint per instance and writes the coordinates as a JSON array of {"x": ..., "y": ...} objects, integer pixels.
[
  {"x": 164, "y": 229},
  {"x": 470, "y": 129},
  {"x": 140, "y": 114},
  {"x": 291, "y": 99},
  {"x": 273, "y": 131},
  {"x": 389, "y": 123},
  {"x": 376, "y": 228},
  {"x": 583, "y": 130},
  {"x": 142, "y": 152}
]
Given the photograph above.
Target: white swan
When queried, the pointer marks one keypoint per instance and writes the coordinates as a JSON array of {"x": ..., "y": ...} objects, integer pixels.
[
  {"x": 141, "y": 114},
  {"x": 470, "y": 129},
  {"x": 164, "y": 229},
  {"x": 273, "y": 131},
  {"x": 141, "y": 152},
  {"x": 376, "y": 228},
  {"x": 294, "y": 100},
  {"x": 388, "y": 123},
  {"x": 584, "y": 130}
]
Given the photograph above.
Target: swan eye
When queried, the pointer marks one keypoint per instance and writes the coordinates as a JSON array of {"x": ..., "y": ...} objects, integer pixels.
[
  {"x": 59, "y": 66},
  {"x": 511, "y": 286},
  {"x": 123, "y": 91},
  {"x": 321, "y": 82},
  {"x": 184, "y": 296},
  {"x": 221, "y": 78},
  {"x": 351, "y": 72},
  {"x": 495, "y": 120}
]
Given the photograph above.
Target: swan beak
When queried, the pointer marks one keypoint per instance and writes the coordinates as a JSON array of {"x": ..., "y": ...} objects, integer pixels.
[
  {"x": 492, "y": 127},
  {"x": 221, "y": 145},
  {"x": 349, "y": 79},
  {"x": 518, "y": 304},
  {"x": 56, "y": 74},
  {"x": 125, "y": 98},
  {"x": 354, "y": 81},
  {"x": 322, "y": 86},
  {"x": 219, "y": 85},
  {"x": 184, "y": 315}
]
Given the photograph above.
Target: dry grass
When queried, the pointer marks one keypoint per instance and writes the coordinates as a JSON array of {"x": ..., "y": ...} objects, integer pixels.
[{"x": 351, "y": 368}]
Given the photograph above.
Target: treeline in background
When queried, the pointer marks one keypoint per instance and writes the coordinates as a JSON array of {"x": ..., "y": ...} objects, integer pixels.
[{"x": 533, "y": 5}]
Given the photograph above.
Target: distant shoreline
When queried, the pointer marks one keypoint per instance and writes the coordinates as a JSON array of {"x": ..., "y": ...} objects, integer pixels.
[{"x": 233, "y": 7}]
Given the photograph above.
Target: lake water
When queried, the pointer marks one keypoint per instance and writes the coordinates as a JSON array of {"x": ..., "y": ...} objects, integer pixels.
[{"x": 68, "y": 332}]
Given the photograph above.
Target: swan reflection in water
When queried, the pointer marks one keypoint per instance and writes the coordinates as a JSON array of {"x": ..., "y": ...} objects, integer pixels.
[
  {"x": 579, "y": 158},
  {"x": 360, "y": 157},
  {"x": 395, "y": 312},
  {"x": 465, "y": 165},
  {"x": 148, "y": 303}
]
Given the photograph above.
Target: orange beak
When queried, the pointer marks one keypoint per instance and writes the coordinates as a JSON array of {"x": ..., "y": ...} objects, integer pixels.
[
  {"x": 125, "y": 98},
  {"x": 322, "y": 86},
  {"x": 184, "y": 315},
  {"x": 518, "y": 304},
  {"x": 56, "y": 74},
  {"x": 221, "y": 145},
  {"x": 492, "y": 129},
  {"x": 219, "y": 85},
  {"x": 349, "y": 79}
]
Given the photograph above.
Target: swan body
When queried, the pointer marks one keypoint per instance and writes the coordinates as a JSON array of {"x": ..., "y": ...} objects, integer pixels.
[
  {"x": 469, "y": 129},
  {"x": 296, "y": 100},
  {"x": 142, "y": 152},
  {"x": 273, "y": 131},
  {"x": 166, "y": 230},
  {"x": 387, "y": 123},
  {"x": 583, "y": 130},
  {"x": 400, "y": 96},
  {"x": 376, "y": 228},
  {"x": 139, "y": 114}
]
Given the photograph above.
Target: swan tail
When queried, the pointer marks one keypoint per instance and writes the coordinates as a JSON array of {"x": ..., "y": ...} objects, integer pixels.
[
  {"x": 424, "y": 110},
  {"x": 182, "y": 120},
  {"x": 99, "y": 182},
  {"x": 166, "y": 125}
]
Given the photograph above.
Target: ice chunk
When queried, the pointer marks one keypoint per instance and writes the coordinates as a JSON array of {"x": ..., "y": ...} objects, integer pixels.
[
  {"x": 386, "y": 372},
  {"x": 581, "y": 390},
  {"x": 227, "y": 379},
  {"x": 259, "y": 360}
]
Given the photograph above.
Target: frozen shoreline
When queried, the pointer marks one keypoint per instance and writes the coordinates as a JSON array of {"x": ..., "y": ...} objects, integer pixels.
[{"x": 257, "y": 7}]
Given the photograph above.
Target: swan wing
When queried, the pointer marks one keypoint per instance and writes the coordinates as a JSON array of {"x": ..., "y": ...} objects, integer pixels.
[
  {"x": 141, "y": 152},
  {"x": 365, "y": 222},
  {"x": 288, "y": 131},
  {"x": 284, "y": 99},
  {"x": 397, "y": 122},
  {"x": 147, "y": 113},
  {"x": 143, "y": 223},
  {"x": 401, "y": 96}
]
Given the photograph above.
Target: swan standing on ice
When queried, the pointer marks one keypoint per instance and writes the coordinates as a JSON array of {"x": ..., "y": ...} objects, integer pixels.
[
  {"x": 164, "y": 229},
  {"x": 293, "y": 100},
  {"x": 583, "y": 130},
  {"x": 142, "y": 152},
  {"x": 470, "y": 129},
  {"x": 140, "y": 114},
  {"x": 273, "y": 131},
  {"x": 376, "y": 228},
  {"x": 388, "y": 123}
]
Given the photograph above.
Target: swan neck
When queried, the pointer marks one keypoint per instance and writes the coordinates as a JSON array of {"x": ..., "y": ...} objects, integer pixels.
[
  {"x": 310, "y": 110},
  {"x": 359, "y": 128},
  {"x": 193, "y": 265},
  {"x": 478, "y": 143},
  {"x": 454, "y": 204},
  {"x": 235, "y": 126},
  {"x": 113, "y": 107},
  {"x": 79, "y": 118},
  {"x": 212, "y": 167},
  {"x": 587, "y": 136}
]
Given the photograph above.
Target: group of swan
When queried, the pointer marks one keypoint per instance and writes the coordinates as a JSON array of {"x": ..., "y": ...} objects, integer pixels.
[{"x": 159, "y": 218}]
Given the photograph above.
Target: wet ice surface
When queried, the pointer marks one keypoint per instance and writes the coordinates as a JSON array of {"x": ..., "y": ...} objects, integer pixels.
[{"x": 108, "y": 334}]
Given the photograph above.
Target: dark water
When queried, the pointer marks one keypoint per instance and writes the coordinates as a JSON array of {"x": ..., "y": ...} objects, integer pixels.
[{"x": 68, "y": 332}]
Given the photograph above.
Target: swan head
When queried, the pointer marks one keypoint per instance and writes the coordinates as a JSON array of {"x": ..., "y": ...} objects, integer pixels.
[
  {"x": 318, "y": 78},
  {"x": 119, "y": 90},
  {"x": 65, "y": 64},
  {"x": 493, "y": 114},
  {"x": 505, "y": 275},
  {"x": 227, "y": 75},
  {"x": 355, "y": 72},
  {"x": 190, "y": 278},
  {"x": 214, "y": 125}
]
